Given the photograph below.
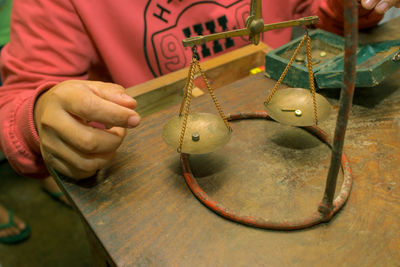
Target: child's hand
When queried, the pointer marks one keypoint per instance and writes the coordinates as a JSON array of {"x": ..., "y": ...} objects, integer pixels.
[
  {"x": 62, "y": 116},
  {"x": 381, "y": 6}
]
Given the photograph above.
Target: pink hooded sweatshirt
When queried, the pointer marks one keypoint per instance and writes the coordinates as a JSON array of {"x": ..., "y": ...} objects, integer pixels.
[{"x": 126, "y": 42}]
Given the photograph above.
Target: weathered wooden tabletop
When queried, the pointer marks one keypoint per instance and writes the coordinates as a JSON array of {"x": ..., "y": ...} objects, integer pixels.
[{"x": 142, "y": 212}]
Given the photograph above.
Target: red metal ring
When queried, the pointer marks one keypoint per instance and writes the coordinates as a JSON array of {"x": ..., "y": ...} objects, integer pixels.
[{"x": 316, "y": 218}]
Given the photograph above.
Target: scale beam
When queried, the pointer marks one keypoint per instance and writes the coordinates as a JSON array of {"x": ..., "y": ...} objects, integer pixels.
[
  {"x": 199, "y": 40},
  {"x": 291, "y": 23}
]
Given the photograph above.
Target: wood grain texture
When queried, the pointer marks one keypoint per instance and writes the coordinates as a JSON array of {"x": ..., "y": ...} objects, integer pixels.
[{"x": 142, "y": 212}]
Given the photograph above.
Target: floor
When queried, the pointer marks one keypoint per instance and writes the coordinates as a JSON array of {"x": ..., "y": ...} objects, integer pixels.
[{"x": 57, "y": 238}]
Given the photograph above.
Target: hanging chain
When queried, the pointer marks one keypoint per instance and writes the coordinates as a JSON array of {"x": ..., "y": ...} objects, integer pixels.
[
  {"x": 190, "y": 74},
  {"x": 311, "y": 76},
  {"x": 187, "y": 96},
  {"x": 278, "y": 83},
  {"x": 214, "y": 98}
]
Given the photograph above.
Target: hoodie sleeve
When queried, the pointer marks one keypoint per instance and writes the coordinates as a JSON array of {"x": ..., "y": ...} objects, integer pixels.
[{"x": 48, "y": 44}]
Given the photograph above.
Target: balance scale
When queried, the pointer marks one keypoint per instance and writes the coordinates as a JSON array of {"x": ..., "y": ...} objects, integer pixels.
[{"x": 202, "y": 133}]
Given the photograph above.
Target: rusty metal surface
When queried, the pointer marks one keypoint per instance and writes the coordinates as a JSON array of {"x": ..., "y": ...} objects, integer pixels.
[
  {"x": 143, "y": 213},
  {"x": 309, "y": 220}
]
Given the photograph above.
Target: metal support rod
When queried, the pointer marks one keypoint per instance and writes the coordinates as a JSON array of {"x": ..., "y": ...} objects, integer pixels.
[
  {"x": 345, "y": 102},
  {"x": 255, "y": 8},
  {"x": 255, "y": 22}
]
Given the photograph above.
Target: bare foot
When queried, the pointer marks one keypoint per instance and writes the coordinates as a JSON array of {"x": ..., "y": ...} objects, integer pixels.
[
  {"x": 13, "y": 230},
  {"x": 52, "y": 188}
]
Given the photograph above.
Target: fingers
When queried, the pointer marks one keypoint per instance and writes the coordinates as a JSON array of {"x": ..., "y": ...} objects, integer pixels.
[
  {"x": 66, "y": 169},
  {"x": 112, "y": 92},
  {"x": 93, "y": 108},
  {"x": 67, "y": 117},
  {"x": 384, "y": 6},
  {"x": 380, "y": 6},
  {"x": 97, "y": 104},
  {"x": 79, "y": 135},
  {"x": 71, "y": 162},
  {"x": 369, "y": 4}
]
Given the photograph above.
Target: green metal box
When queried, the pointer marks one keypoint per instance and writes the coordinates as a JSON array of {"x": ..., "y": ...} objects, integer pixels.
[{"x": 374, "y": 62}]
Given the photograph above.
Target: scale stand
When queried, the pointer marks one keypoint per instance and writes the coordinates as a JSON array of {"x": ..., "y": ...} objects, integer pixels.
[{"x": 328, "y": 206}]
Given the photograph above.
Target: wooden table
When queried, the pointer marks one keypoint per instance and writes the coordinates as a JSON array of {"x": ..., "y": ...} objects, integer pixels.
[{"x": 139, "y": 211}]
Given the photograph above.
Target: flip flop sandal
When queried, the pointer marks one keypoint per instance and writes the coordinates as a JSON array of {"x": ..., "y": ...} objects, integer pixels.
[
  {"x": 56, "y": 196},
  {"x": 13, "y": 239}
]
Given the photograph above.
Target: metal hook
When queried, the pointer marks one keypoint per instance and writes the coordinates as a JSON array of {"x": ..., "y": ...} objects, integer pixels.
[{"x": 195, "y": 53}]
